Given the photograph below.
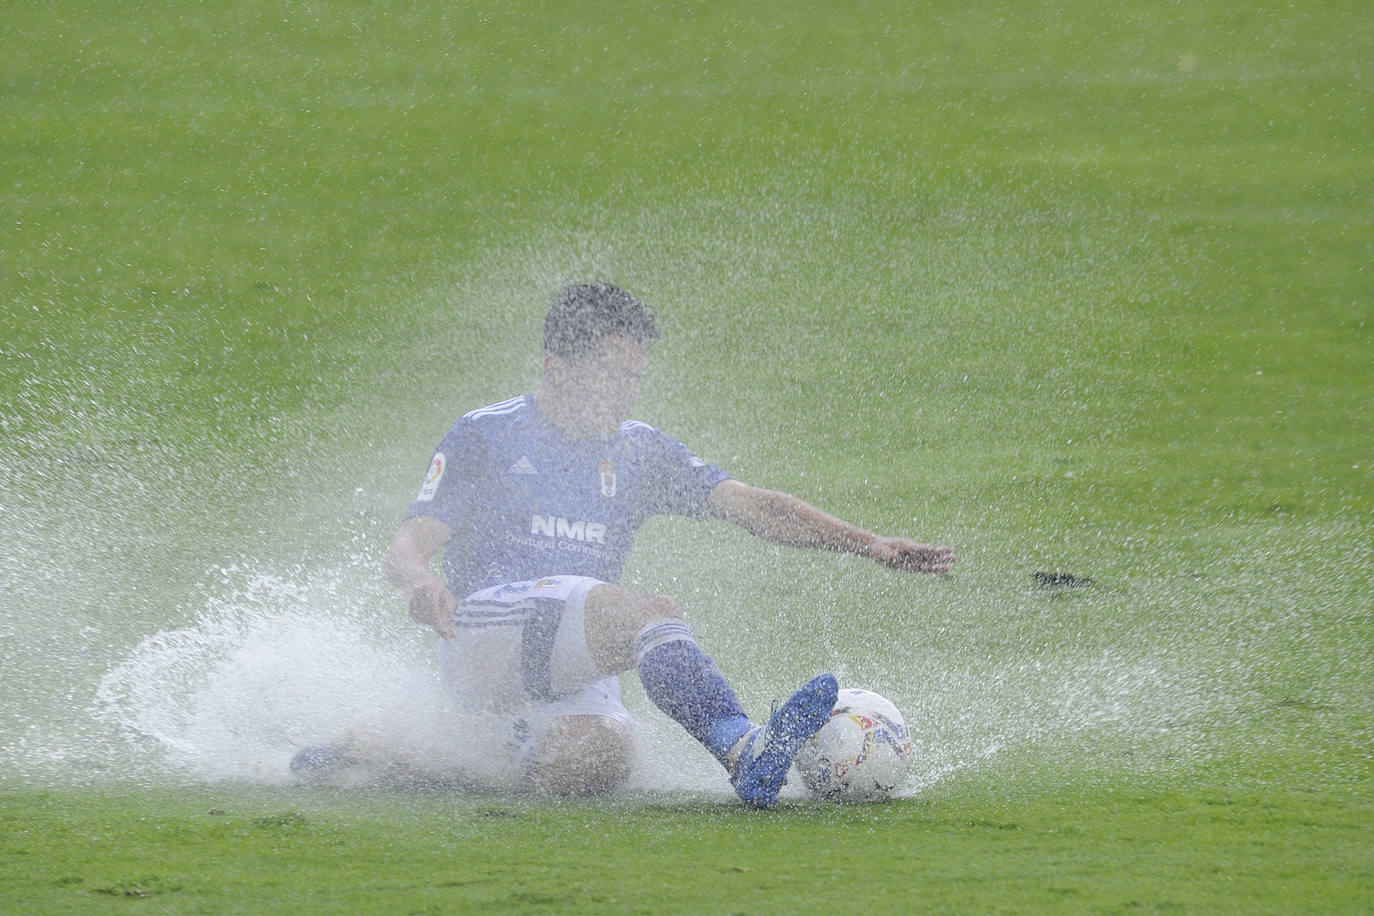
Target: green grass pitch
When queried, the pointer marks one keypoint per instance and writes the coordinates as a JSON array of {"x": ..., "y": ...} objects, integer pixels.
[{"x": 1077, "y": 288}]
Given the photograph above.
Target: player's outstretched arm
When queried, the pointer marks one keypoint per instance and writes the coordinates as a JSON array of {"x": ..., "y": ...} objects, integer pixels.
[
  {"x": 784, "y": 519},
  {"x": 408, "y": 567}
]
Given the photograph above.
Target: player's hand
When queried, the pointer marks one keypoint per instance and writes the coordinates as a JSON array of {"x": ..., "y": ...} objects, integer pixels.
[
  {"x": 909, "y": 556},
  {"x": 432, "y": 605}
]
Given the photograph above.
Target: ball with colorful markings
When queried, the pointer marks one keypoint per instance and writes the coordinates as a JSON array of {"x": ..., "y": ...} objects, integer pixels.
[{"x": 861, "y": 754}]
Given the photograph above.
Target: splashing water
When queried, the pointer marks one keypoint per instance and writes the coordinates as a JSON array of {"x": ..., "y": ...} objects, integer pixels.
[
  {"x": 278, "y": 658},
  {"x": 266, "y": 658},
  {"x": 280, "y": 661}
]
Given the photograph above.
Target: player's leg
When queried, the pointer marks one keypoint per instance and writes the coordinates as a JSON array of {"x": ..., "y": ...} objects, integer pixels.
[
  {"x": 583, "y": 755},
  {"x": 576, "y": 731},
  {"x": 403, "y": 744},
  {"x": 579, "y": 742},
  {"x": 648, "y": 632},
  {"x": 519, "y": 657}
]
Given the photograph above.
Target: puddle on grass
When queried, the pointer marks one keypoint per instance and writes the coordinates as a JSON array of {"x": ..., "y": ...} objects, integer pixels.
[{"x": 1124, "y": 679}]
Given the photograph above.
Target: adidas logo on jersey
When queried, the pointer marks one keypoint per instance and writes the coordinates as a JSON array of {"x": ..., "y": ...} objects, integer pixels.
[{"x": 523, "y": 466}]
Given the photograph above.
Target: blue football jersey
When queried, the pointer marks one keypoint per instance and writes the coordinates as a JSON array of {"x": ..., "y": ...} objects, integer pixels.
[{"x": 524, "y": 500}]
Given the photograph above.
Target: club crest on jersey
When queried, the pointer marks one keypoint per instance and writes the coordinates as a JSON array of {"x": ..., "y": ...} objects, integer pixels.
[
  {"x": 432, "y": 478},
  {"x": 608, "y": 478}
]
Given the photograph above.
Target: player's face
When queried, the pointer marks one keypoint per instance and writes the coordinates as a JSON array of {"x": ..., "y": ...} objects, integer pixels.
[{"x": 606, "y": 386}]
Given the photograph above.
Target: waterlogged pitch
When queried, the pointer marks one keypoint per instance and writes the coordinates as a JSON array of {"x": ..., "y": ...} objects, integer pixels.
[{"x": 1081, "y": 291}]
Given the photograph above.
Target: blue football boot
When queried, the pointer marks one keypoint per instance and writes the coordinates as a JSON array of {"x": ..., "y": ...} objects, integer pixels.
[
  {"x": 317, "y": 762},
  {"x": 768, "y": 751}
]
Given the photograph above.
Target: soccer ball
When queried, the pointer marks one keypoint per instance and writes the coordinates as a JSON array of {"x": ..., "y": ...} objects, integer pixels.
[{"x": 861, "y": 754}]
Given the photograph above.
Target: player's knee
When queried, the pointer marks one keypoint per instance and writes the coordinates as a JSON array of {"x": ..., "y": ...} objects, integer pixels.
[
  {"x": 614, "y": 619},
  {"x": 584, "y": 755},
  {"x": 612, "y": 603}
]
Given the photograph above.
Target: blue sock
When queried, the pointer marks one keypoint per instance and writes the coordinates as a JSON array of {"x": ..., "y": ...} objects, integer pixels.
[{"x": 685, "y": 683}]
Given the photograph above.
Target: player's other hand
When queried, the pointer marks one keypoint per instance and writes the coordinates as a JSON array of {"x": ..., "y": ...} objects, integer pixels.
[
  {"x": 432, "y": 605},
  {"x": 909, "y": 556}
]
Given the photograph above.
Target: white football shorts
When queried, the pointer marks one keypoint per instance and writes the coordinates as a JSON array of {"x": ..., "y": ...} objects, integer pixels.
[{"x": 522, "y": 647}]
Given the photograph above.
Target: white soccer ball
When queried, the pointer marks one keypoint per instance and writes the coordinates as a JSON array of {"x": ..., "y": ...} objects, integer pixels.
[{"x": 861, "y": 754}]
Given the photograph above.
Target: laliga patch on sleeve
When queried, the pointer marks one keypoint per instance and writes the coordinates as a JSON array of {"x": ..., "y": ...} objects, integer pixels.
[{"x": 432, "y": 478}]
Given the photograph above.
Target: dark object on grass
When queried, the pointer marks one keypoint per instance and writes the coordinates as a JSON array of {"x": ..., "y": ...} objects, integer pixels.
[{"x": 1061, "y": 580}]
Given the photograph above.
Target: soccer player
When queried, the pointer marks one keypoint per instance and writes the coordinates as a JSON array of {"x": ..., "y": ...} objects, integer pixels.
[{"x": 533, "y": 503}]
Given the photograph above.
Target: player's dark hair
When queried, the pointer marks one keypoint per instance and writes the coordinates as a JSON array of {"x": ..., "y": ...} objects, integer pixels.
[{"x": 585, "y": 314}]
